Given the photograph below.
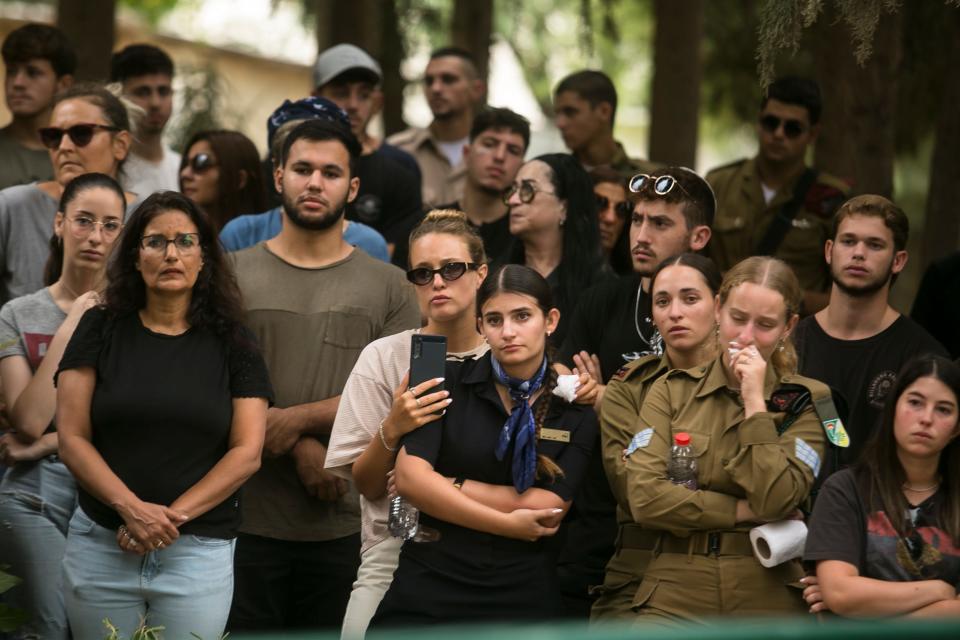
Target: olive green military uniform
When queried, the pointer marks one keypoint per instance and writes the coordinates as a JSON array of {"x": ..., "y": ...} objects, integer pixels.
[
  {"x": 619, "y": 417},
  {"x": 703, "y": 565},
  {"x": 627, "y": 166},
  {"x": 743, "y": 217}
]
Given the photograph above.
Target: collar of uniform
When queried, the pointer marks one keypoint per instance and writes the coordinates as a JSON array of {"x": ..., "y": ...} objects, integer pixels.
[
  {"x": 424, "y": 137},
  {"x": 663, "y": 365},
  {"x": 480, "y": 375},
  {"x": 716, "y": 378}
]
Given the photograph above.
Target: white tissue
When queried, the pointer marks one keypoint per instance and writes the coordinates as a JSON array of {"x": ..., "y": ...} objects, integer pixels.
[
  {"x": 567, "y": 387},
  {"x": 776, "y": 542}
]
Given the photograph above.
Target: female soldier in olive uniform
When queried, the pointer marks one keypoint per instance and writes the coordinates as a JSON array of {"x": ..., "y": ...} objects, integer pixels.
[
  {"x": 759, "y": 448},
  {"x": 682, "y": 292}
]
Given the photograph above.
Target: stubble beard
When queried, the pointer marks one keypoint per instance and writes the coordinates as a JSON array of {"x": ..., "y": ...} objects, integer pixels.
[{"x": 321, "y": 223}]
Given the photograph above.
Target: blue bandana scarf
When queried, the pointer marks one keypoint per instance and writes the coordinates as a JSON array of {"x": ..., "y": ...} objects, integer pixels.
[{"x": 519, "y": 427}]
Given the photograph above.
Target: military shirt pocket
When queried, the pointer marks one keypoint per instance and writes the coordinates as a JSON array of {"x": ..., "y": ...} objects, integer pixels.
[
  {"x": 644, "y": 592},
  {"x": 703, "y": 451}
]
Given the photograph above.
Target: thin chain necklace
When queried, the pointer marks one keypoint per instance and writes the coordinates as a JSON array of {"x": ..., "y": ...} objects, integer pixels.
[
  {"x": 655, "y": 343},
  {"x": 906, "y": 487}
]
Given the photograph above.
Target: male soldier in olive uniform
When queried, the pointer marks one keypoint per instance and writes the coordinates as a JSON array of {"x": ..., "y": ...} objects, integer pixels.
[
  {"x": 773, "y": 204},
  {"x": 585, "y": 105}
]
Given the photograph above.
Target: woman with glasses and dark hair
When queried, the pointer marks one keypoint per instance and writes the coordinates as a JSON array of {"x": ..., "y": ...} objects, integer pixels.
[
  {"x": 495, "y": 475},
  {"x": 38, "y": 494},
  {"x": 161, "y": 413},
  {"x": 89, "y": 132},
  {"x": 553, "y": 219},
  {"x": 221, "y": 173},
  {"x": 613, "y": 212},
  {"x": 885, "y": 533}
]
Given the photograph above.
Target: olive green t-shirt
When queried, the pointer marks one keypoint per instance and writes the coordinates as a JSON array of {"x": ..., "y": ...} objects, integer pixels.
[
  {"x": 312, "y": 325},
  {"x": 19, "y": 165}
]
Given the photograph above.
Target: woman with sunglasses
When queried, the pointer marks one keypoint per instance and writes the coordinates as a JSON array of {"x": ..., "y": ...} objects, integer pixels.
[
  {"x": 89, "y": 132},
  {"x": 759, "y": 433},
  {"x": 161, "y": 413},
  {"x": 553, "y": 219},
  {"x": 38, "y": 494},
  {"x": 495, "y": 475},
  {"x": 613, "y": 212},
  {"x": 885, "y": 533},
  {"x": 683, "y": 289},
  {"x": 221, "y": 173}
]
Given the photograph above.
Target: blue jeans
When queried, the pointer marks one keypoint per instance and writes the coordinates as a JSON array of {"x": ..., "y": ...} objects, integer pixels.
[
  {"x": 186, "y": 588},
  {"x": 36, "y": 502}
]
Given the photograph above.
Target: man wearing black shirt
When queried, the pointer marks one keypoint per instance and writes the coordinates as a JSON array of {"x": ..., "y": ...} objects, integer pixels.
[
  {"x": 858, "y": 343},
  {"x": 498, "y": 143}
]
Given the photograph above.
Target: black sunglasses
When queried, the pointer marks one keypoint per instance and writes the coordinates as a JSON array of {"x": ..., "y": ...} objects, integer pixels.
[
  {"x": 201, "y": 162},
  {"x": 526, "y": 190},
  {"x": 449, "y": 272},
  {"x": 791, "y": 128},
  {"x": 623, "y": 208},
  {"x": 80, "y": 134}
]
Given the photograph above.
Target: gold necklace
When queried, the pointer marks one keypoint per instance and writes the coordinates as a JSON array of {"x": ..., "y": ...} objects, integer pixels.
[{"x": 921, "y": 490}]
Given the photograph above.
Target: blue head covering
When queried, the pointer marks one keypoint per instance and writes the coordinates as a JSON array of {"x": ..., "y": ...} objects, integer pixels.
[
  {"x": 520, "y": 427},
  {"x": 305, "y": 109}
]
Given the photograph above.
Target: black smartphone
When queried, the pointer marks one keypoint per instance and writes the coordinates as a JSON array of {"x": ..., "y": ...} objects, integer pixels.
[{"x": 428, "y": 359}]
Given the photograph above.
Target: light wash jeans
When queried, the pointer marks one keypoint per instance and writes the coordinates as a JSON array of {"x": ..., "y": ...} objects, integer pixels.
[
  {"x": 36, "y": 502},
  {"x": 374, "y": 577},
  {"x": 186, "y": 588}
]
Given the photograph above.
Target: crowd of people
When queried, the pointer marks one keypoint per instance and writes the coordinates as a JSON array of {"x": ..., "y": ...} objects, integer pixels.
[{"x": 207, "y": 397}]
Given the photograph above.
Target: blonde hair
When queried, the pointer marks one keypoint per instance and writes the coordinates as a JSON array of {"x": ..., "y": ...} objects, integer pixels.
[
  {"x": 454, "y": 223},
  {"x": 774, "y": 274}
]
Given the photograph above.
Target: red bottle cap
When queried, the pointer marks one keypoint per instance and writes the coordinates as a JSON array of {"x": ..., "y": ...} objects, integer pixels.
[{"x": 682, "y": 439}]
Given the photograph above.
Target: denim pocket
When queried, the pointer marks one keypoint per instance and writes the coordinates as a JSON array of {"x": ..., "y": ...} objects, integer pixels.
[
  {"x": 80, "y": 523},
  {"x": 210, "y": 542}
]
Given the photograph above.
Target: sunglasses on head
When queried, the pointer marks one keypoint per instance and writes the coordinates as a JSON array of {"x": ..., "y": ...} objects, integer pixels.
[
  {"x": 791, "y": 128},
  {"x": 660, "y": 185},
  {"x": 623, "y": 208},
  {"x": 449, "y": 272},
  {"x": 201, "y": 162},
  {"x": 80, "y": 134}
]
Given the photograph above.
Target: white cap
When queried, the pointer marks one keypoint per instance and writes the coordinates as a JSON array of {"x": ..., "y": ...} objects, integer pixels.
[{"x": 343, "y": 57}]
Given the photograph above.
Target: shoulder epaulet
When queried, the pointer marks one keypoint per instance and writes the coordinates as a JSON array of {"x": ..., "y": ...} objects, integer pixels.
[
  {"x": 696, "y": 373},
  {"x": 634, "y": 367},
  {"x": 821, "y": 397},
  {"x": 730, "y": 165}
]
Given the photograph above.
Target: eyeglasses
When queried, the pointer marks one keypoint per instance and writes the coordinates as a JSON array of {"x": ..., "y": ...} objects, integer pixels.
[
  {"x": 623, "y": 208},
  {"x": 201, "y": 162},
  {"x": 84, "y": 226},
  {"x": 526, "y": 190},
  {"x": 660, "y": 185},
  {"x": 791, "y": 128},
  {"x": 186, "y": 244},
  {"x": 80, "y": 134},
  {"x": 449, "y": 272}
]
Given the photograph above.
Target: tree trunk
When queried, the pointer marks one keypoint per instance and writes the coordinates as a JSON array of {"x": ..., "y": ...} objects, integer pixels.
[
  {"x": 471, "y": 28},
  {"x": 856, "y": 139},
  {"x": 89, "y": 25},
  {"x": 393, "y": 54},
  {"x": 941, "y": 231},
  {"x": 675, "y": 101}
]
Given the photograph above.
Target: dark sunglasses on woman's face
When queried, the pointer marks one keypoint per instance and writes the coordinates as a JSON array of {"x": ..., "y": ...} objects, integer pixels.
[
  {"x": 80, "y": 134},
  {"x": 791, "y": 128},
  {"x": 623, "y": 208},
  {"x": 201, "y": 162},
  {"x": 526, "y": 190},
  {"x": 449, "y": 272}
]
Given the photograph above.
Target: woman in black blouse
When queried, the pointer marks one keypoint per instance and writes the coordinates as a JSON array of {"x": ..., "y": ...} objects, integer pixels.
[
  {"x": 161, "y": 413},
  {"x": 496, "y": 475}
]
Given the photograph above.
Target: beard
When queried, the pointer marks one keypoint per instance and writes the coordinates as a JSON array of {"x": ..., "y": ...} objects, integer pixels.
[
  {"x": 865, "y": 289},
  {"x": 321, "y": 223}
]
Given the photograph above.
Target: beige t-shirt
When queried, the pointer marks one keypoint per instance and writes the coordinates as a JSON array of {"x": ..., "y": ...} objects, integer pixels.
[
  {"x": 366, "y": 400},
  {"x": 312, "y": 325}
]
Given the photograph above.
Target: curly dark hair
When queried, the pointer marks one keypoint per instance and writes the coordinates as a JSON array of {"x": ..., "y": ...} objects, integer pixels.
[{"x": 216, "y": 303}]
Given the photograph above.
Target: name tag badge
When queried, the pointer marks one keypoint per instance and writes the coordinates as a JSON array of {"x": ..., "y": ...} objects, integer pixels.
[{"x": 554, "y": 435}]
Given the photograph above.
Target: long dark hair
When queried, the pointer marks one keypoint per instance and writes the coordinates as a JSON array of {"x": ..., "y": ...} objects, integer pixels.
[
  {"x": 581, "y": 234},
  {"x": 235, "y": 154},
  {"x": 879, "y": 471},
  {"x": 53, "y": 269},
  {"x": 515, "y": 278},
  {"x": 707, "y": 268},
  {"x": 216, "y": 303}
]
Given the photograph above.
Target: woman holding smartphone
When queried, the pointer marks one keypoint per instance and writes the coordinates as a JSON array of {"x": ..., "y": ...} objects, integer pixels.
[{"x": 495, "y": 475}]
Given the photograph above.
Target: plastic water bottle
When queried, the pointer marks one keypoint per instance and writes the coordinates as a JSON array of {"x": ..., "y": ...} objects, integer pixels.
[
  {"x": 404, "y": 520},
  {"x": 682, "y": 468}
]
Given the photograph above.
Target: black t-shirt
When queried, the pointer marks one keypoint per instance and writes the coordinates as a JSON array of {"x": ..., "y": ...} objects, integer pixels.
[
  {"x": 162, "y": 409},
  {"x": 937, "y": 305},
  {"x": 605, "y": 322},
  {"x": 844, "y": 528},
  {"x": 496, "y": 235},
  {"x": 863, "y": 371}
]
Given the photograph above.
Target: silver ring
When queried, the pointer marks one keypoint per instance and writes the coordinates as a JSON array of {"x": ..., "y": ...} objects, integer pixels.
[
  {"x": 159, "y": 544},
  {"x": 417, "y": 400}
]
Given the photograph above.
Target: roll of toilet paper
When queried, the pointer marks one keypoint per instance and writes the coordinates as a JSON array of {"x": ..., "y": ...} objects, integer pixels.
[{"x": 776, "y": 542}]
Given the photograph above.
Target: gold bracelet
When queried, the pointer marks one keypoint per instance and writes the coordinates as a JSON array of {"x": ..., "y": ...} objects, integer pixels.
[{"x": 383, "y": 439}]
